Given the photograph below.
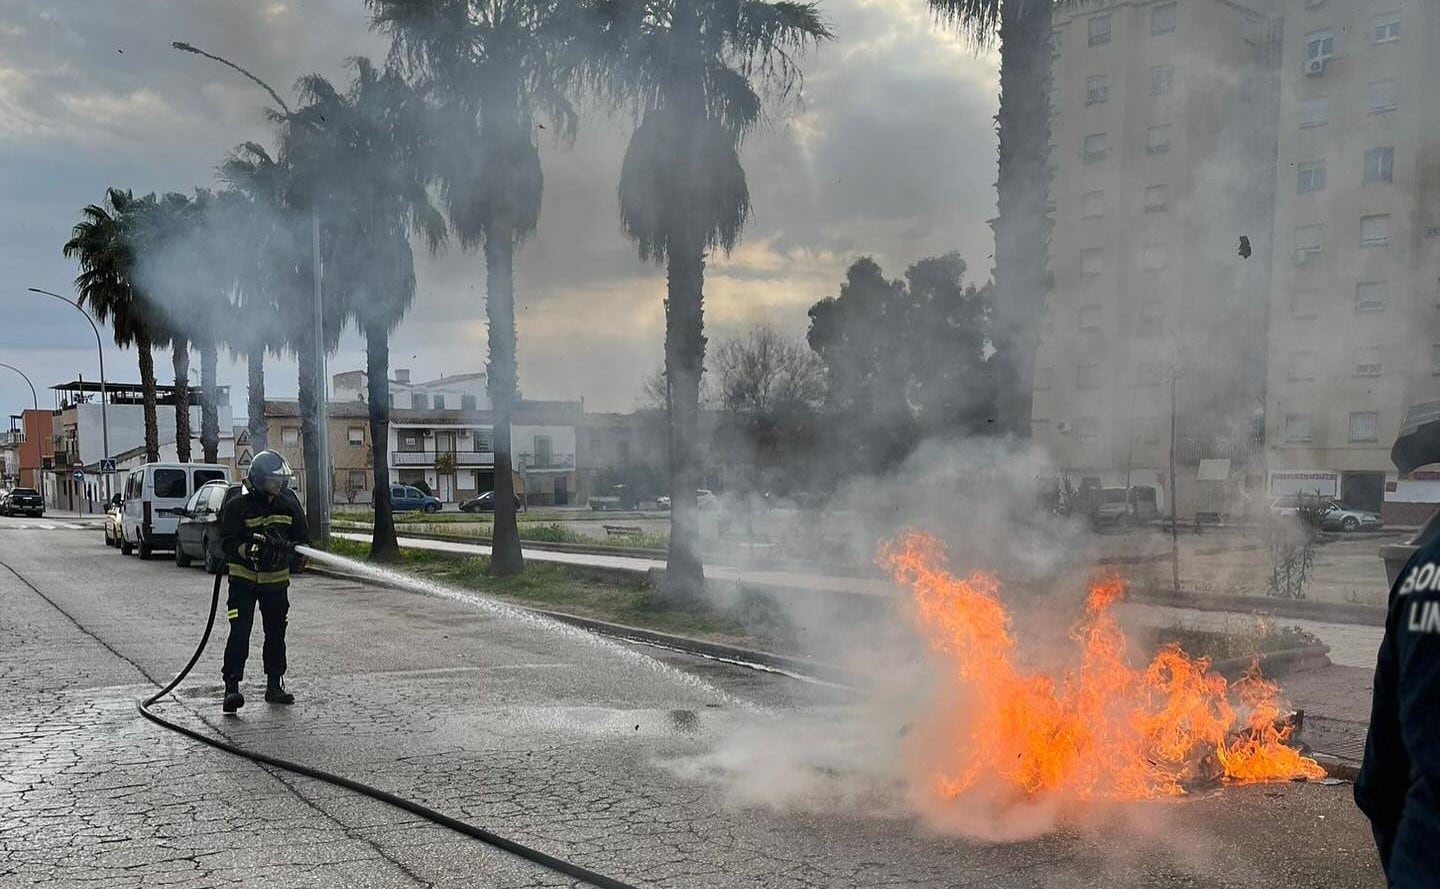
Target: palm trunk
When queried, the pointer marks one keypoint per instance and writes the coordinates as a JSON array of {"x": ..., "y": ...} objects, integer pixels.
[
  {"x": 209, "y": 408},
  {"x": 383, "y": 545},
  {"x": 505, "y": 556},
  {"x": 147, "y": 395},
  {"x": 684, "y": 360},
  {"x": 180, "y": 358},
  {"x": 1022, "y": 227},
  {"x": 311, "y": 438},
  {"x": 255, "y": 396}
]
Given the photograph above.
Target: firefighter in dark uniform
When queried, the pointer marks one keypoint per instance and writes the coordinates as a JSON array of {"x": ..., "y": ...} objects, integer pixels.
[
  {"x": 1398, "y": 788},
  {"x": 258, "y": 533}
]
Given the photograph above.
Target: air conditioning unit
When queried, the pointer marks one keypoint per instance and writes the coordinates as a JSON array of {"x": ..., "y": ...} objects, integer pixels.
[
  {"x": 428, "y": 433},
  {"x": 1063, "y": 426},
  {"x": 1316, "y": 67}
]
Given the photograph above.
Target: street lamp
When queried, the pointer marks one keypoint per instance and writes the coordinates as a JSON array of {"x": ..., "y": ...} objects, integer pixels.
[
  {"x": 322, "y": 407},
  {"x": 100, "y": 349},
  {"x": 33, "y": 399}
]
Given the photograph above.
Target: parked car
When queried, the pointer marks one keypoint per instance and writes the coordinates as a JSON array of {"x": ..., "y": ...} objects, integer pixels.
[
  {"x": 404, "y": 498},
  {"x": 154, "y": 494},
  {"x": 1122, "y": 506},
  {"x": 197, "y": 530},
  {"x": 1339, "y": 517},
  {"x": 23, "y": 501},
  {"x": 113, "y": 511},
  {"x": 485, "y": 503},
  {"x": 706, "y": 500},
  {"x": 662, "y": 502}
]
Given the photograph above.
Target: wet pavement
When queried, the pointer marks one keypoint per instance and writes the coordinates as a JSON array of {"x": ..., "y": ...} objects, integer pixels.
[{"x": 627, "y": 765}]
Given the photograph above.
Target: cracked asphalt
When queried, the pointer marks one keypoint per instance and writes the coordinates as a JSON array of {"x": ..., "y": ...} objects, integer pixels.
[{"x": 559, "y": 742}]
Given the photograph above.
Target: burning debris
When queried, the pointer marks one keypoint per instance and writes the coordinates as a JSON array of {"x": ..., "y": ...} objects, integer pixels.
[{"x": 1101, "y": 728}]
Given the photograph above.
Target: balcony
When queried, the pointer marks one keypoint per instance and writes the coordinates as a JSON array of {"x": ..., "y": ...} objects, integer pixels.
[
  {"x": 427, "y": 458},
  {"x": 11, "y": 439},
  {"x": 544, "y": 462}
]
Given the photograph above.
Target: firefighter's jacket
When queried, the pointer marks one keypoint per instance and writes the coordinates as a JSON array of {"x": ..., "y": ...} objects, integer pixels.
[
  {"x": 1399, "y": 783},
  {"x": 254, "y": 513}
]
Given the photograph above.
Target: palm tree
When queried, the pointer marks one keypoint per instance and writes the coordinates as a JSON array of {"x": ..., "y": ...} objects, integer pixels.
[
  {"x": 209, "y": 309},
  {"x": 381, "y": 157},
  {"x": 266, "y": 250},
  {"x": 1022, "y": 226},
  {"x": 165, "y": 276},
  {"x": 102, "y": 244},
  {"x": 692, "y": 69},
  {"x": 493, "y": 67}
]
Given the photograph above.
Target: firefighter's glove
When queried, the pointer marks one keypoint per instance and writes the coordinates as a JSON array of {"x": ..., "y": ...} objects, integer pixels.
[{"x": 268, "y": 553}]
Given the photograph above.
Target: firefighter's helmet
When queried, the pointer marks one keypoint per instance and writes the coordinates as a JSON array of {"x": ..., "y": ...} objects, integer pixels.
[{"x": 269, "y": 472}]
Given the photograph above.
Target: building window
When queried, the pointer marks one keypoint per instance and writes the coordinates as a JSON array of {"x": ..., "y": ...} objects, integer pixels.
[
  {"x": 467, "y": 403},
  {"x": 1367, "y": 361},
  {"x": 1311, "y": 177},
  {"x": 1375, "y": 230},
  {"x": 1297, "y": 427},
  {"x": 290, "y": 435},
  {"x": 1387, "y": 28},
  {"x": 1147, "y": 430},
  {"x": 357, "y": 479},
  {"x": 1307, "y": 241},
  {"x": 1162, "y": 19},
  {"x": 1097, "y": 89},
  {"x": 410, "y": 441},
  {"x": 483, "y": 441},
  {"x": 1157, "y": 197},
  {"x": 418, "y": 401},
  {"x": 543, "y": 453},
  {"x": 1158, "y": 139},
  {"x": 1152, "y": 316},
  {"x": 355, "y": 435},
  {"x": 1300, "y": 366},
  {"x": 1095, "y": 147},
  {"x": 1088, "y": 317},
  {"x": 1088, "y": 428},
  {"x": 1384, "y": 95},
  {"x": 1092, "y": 204},
  {"x": 1087, "y": 376},
  {"x": 1380, "y": 165},
  {"x": 1154, "y": 257},
  {"x": 1304, "y": 303},
  {"x": 1044, "y": 377},
  {"x": 1370, "y": 296},
  {"x": 1092, "y": 261},
  {"x": 1319, "y": 45},
  {"x": 1364, "y": 426},
  {"x": 1099, "y": 30},
  {"x": 1161, "y": 77},
  {"x": 1314, "y": 112},
  {"x": 439, "y": 403}
]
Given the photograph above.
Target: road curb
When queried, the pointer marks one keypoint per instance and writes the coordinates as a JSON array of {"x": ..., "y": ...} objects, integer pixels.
[
  {"x": 1330, "y": 612},
  {"x": 1336, "y": 767},
  {"x": 1275, "y": 664},
  {"x": 799, "y": 666}
]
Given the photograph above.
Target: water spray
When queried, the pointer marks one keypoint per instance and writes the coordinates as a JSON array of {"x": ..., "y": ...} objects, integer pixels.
[{"x": 536, "y": 856}]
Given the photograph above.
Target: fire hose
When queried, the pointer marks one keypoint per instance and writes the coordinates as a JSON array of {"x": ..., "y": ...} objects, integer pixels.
[{"x": 473, "y": 831}]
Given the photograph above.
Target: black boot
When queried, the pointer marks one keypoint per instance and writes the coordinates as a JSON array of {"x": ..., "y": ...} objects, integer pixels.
[
  {"x": 233, "y": 699},
  {"x": 275, "y": 692}
]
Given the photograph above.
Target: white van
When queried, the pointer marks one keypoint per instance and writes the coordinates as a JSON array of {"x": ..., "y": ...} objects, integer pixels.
[{"x": 152, "y": 495}]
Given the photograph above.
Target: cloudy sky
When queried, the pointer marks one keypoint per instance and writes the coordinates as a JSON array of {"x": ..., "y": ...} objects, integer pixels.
[{"x": 892, "y": 155}]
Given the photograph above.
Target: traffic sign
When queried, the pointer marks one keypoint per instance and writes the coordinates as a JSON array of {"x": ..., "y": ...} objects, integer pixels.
[
  {"x": 78, "y": 475},
  {"x": 107, "y": 465}
]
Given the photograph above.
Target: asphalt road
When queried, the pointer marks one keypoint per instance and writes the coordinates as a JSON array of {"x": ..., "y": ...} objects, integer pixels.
[{"x": 629, "y": 765}]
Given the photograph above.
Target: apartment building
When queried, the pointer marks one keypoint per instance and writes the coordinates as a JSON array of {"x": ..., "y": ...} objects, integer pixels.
[
  {"x": 1354, "y": 333},
  {"x": 1163, "y": 123}
]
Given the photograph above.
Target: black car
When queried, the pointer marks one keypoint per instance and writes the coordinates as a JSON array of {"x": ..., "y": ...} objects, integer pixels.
[
  {"x": 24, "y": 501},
  {"x": 197, "y": 530},
  {"x": 485, "y": 503}
]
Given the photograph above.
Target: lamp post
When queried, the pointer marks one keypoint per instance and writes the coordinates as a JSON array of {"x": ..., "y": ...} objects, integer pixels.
[
  {"x": 34, "y": 400},
  {"x": 100, "y": 349},
  {"x": 322, "y": 408}
]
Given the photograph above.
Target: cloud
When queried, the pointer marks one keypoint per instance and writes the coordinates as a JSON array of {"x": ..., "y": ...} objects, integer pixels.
[{"x": 889, "y": 152}]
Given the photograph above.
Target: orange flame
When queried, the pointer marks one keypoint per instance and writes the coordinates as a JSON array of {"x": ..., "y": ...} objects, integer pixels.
[{"x": 1102, "y": 729}]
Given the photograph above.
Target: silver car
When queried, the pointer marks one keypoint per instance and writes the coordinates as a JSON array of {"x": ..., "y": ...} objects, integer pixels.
[{"x": 1339, "y": 517}]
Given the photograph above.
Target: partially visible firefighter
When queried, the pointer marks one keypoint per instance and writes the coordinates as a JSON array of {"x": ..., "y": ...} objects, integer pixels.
[
  {"x": 258, "y": 533},
  {"x": 1399, "y": 783}
]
